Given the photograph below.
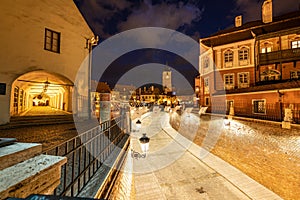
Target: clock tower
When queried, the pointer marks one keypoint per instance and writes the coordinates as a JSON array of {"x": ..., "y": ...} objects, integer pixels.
[{"x": 167, "y": 80}]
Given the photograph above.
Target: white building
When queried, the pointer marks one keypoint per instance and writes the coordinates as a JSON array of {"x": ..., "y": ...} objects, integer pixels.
[{"x": 43, "y": 43}]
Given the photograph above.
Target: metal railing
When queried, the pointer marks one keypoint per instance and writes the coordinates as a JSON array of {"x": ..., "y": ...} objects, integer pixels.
[
  {"x": 273, "y": 111},
  {"x": 87, "y": 152}
]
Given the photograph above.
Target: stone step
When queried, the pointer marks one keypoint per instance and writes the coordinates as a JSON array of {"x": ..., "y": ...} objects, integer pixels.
[
  {"x": 37, "y": 175},
  {"x": 18, "y": 152},
  {"x": 25, "y": 121}
]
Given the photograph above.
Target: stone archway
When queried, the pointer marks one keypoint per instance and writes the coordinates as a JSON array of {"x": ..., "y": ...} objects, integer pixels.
[{"x": 40, "y": 88}]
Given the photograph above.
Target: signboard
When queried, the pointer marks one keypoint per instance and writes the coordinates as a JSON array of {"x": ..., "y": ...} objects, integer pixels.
[{"x": 2, "y": 88}]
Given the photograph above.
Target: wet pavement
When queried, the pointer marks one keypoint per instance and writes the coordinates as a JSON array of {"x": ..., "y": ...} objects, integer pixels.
[
  {"x": 263, "y": 151},
  {"x": 172, "y": 170}
]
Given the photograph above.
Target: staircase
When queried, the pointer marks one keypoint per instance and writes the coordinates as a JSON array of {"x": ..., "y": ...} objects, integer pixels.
[{"x": 37, "y": 120}]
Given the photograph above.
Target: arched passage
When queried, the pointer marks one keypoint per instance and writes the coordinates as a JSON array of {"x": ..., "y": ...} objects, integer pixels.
[{"x": 40, "y": 88}]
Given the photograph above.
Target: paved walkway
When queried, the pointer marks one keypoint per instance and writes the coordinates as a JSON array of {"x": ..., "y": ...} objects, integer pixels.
[{"x": 175, "y": 168}]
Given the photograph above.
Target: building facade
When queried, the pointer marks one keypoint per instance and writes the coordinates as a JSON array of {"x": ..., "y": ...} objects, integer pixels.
[
  {"x": 253, "y": 67},
  {"x": 43, "y": 44}
]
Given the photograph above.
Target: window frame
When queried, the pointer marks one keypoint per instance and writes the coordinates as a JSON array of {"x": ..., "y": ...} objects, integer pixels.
[
  {"x": 243, "y": 54},
  {"x": 297, "y": 74},
  {"x": 264, "y": 106},
  {"x": 228, "y": 56},
  {"x": 228, "y": 85},
  {"x": 241, "y": 84},
  {"x": 297, "y": 41},
  {"x": 50, "y": 42}
]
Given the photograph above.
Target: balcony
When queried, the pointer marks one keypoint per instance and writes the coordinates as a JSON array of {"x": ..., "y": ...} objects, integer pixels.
[{"x": 279, "y": 56}]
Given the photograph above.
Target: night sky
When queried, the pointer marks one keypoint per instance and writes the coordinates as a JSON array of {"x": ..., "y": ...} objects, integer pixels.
[{"x": 195, "y": 18}]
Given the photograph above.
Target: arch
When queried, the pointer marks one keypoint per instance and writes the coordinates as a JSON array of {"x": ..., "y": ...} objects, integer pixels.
[
  {"x": 40, "y": 88},
  {"x": 270, "y": 75}
]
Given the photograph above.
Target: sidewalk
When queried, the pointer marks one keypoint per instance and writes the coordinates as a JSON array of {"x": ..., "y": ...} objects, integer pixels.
[{"x": 175, "y": 168}]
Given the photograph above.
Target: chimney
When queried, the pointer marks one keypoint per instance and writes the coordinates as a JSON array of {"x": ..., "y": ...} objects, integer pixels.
[
  {"x": 267, "y": 11},
  {"x": 238, "y": 21}
]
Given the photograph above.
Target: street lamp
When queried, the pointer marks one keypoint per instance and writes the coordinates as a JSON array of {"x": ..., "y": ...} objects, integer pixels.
[
  {"x": 144, "y": 142},
  {"x": 138, "y": 125}
]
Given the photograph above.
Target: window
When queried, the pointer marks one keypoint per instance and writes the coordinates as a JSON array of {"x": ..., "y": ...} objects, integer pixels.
[
  {"x": 243, "y": 79},
  {"x": 243, "y": 54},
  {"x": 259, "y": 106},
  {"x": 295, "y": 74},
  {"x": 229, "y": 81},
  {"x": 228, "y": 56},
  {"x": 52, "y": 41},
  {"x": 296, "y": 44},
  {"x": 206, "y": 85},
  {"x": 206, "y": 62},
  {"x": 16, "y": 99},
  {"x": 266, "y": 49},
  {"x": 206, "y": 82}
]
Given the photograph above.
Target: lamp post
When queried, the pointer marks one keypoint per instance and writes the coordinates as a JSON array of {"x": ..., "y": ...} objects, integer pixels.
[
  {"x": 138, "y": 125},
  {"x": 144, "y": 143},
  {"x": 93, "y": 41}
]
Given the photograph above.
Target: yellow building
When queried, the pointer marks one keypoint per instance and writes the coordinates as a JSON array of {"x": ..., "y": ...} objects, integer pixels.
[{"x": 43, "y": 44}]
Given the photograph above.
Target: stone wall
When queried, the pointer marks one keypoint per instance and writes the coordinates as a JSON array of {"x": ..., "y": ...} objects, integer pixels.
[{"x": 124, "y": 185}]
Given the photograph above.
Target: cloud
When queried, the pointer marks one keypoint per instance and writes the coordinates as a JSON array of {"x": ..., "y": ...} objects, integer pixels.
[
  {"x": 164, "y": 15},
  {"x": 251, "y": 10},
  {"x": 99, "y": 13}
]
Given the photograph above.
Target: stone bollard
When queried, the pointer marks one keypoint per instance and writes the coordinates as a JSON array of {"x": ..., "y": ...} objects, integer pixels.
[
  {"x": 288, "y": 118},
  {"x": 231, "y": 109}
]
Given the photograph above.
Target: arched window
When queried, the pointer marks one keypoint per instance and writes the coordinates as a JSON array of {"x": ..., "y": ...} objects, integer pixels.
[
  {"x": 266, "y": 47},
  {"x": 243, "y": 56},
  {"x": 228, "y": 58}
]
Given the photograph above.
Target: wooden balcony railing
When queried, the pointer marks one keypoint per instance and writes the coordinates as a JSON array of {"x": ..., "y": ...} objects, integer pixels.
[{"x": 279, "y": 56}]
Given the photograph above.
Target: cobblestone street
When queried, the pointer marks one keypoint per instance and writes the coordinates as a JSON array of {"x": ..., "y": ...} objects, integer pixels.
[
  {"x": 267, "y": 153},
  {"x": 48, "y": 135}
]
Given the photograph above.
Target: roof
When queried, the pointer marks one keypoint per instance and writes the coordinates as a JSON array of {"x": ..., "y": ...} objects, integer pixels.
[
  {"x": 275, "y": 86},
  {"x": 251, "y": 29}
]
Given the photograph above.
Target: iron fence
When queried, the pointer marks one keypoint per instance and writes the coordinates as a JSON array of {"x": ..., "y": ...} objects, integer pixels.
[
  {"x": 272, "y": 111},
  {"x": 87, "y": 152}
]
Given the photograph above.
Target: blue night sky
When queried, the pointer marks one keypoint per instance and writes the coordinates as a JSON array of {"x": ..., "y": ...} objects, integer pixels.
[{"x": 194, "y": 18}]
